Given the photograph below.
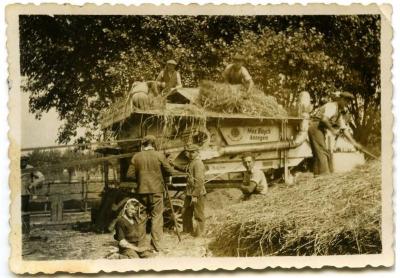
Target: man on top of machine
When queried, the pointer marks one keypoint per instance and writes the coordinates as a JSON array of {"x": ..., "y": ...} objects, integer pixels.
[
  {"x": 236, "y": 73},
  {"x": 141, "y": 93},
  {"x": 169, "y": 77}
]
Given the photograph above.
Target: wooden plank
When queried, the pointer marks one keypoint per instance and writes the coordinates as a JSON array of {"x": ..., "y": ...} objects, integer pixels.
[
  {"x": 56, "y": 208},
  {"x": 77, "y": 163},
  {"x": 70, "y": 218}
]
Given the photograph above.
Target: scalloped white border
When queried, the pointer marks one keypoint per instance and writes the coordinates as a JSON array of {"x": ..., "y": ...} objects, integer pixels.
[{"x": 158, "y": 264}]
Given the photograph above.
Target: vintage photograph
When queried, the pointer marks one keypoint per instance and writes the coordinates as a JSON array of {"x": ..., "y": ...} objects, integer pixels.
[{"x": 148, "y": 136}]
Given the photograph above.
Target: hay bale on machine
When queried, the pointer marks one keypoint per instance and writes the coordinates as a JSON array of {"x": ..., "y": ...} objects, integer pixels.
[
  {"x": 331, "y": 215},
  {"x": 225, "y": 98}
]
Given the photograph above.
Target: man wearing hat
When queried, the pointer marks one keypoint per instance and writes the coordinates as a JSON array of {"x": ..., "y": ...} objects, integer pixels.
[
  {"x": 30, "y": 180},
  {"x": 332, "y": 117},
  {"x": 141, "y": 92},
  {"x": 149, "y": 166},
  {"x": 236, "y": 73},
  {"x": 169, "y": 77},
  {"x": 195, "y": 192}
]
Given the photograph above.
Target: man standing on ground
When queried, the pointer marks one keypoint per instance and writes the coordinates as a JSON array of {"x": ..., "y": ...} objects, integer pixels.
[
  {"x": 332, "y": 118},
  {"x": 30, "y": 181},
  {"x": 254, "y": 181},
  {"x": 236, "y": 73},
  {"x": 195, "y": 192},
  {"x": 149, "y": 166}
]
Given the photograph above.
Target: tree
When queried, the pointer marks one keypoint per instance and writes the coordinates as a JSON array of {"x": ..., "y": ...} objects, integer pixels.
[
  {"x": 80, "y": 64},
  {"x": 321, "y": 55}
]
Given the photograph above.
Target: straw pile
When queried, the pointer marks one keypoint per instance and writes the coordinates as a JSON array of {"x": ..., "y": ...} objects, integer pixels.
[
  {"x": 337, "y": 214},
  {"x": 225, "y": 98}
]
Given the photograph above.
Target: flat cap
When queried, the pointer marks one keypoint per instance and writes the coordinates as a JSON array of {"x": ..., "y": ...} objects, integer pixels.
[
  {"x": 339, "y": 94},
  {"x": 172, "y": 62},
  {"x": 149, "y": 139},
  {"x": 346, "y": 95},
  {"x": 239, "y": 57},
  {"x": 192, "y": 148},
  {"x": 24, "y": 157}
]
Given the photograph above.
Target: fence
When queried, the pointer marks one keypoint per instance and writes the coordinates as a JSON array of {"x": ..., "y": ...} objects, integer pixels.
[{"x": 65, "y": 201}]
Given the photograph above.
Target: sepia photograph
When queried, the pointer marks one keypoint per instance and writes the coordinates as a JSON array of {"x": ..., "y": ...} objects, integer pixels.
[{"x": 193, "y": 134}]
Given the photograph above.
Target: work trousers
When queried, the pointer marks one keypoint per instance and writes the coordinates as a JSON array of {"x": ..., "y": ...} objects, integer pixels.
[
  {"x": 155, "y": 207},
  {"x": 322, "y": 157},
  {"x": 26, "y": 227},
  {"x": 195, "y": 211}
]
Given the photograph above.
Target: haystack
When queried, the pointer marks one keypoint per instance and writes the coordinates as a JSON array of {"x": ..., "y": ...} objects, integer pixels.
[
  {"x": 332, "y": 215},
  {"x": 225, "y": 98}
]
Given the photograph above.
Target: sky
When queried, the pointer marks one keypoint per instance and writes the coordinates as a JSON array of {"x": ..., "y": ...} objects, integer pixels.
[{"x": 37, "y": 133}]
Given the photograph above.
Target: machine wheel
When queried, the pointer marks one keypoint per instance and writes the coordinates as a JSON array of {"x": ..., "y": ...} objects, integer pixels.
[{"x": 177, "y": 205}]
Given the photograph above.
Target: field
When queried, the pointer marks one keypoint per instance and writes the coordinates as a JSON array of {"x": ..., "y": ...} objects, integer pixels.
[
  {"x": 336, "y": 214},
  {"x": 72, "y": 243}
]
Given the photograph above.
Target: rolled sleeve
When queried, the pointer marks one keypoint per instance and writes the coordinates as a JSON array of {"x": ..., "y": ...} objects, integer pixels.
[
  {"x": 245, "y": 74},
  {"x": 343, "y": 124},
  {"x": 160, "y": 76},
  {"x": 225, "y": 73},
  {"x": 178, "y": 80},
  {"x": 263, "y": 182}
]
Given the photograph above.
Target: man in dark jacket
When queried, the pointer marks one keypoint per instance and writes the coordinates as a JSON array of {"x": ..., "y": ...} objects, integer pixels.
[
  {"x": 195, "y": 192},
  {"x": 149, "y": 166}
]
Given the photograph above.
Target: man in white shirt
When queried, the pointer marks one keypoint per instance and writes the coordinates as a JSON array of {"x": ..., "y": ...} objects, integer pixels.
[
  {"x": 254, "y": 181},
  {"x": 331, "y": 117}
]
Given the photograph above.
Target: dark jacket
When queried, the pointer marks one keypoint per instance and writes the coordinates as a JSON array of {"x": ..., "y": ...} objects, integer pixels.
[
  {"x": 195, "y": 178},
  {"x": 149, "y": 167}
]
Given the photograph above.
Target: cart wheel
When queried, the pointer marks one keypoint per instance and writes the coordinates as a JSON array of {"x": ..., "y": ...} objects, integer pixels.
[{"x": 177, "y": 204}]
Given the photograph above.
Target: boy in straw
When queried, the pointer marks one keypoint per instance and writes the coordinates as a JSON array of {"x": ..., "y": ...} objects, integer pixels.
[{"x": 130, "y": 230}]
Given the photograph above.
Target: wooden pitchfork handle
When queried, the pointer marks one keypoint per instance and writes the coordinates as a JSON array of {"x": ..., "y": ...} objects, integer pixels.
[{"x": 172, "y": 213}]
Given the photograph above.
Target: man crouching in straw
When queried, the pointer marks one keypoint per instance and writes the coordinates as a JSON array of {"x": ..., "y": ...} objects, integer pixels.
[{"x": 254, "y": 181}]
